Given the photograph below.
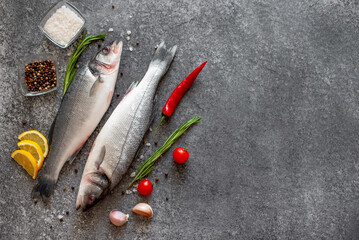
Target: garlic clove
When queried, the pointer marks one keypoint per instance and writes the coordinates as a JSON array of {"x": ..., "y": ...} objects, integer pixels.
[
  {"x": 118, "y": 218},
  {"x": 143, "y": 209}
]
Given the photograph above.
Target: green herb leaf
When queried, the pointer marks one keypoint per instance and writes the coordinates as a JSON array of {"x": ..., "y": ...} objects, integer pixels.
[
  {"x": 147, "y": 165},
  {"x": 71, "y": 67}
]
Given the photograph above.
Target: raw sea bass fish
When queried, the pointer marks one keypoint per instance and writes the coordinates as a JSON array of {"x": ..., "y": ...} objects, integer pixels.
[
  {"x": 118, "y": 141},
  {"x": 82, "y": 108}
]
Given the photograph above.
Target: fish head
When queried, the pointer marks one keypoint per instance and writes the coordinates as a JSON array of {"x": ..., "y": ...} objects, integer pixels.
[
  {"x": 92, "y": 188},
  {"x": 106, "y": 61}
]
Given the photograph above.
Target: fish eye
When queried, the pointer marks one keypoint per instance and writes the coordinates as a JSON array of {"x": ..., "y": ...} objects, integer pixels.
[
  {"x": 105, "y": 50},
  {"x": 91, "y": 198}
]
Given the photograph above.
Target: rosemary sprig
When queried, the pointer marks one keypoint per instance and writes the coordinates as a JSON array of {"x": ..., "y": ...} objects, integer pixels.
[
  {"x": 147, "y": 165},
  {"x": 71, "y": 67}
]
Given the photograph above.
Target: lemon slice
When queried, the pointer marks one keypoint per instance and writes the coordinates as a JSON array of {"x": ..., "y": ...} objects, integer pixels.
[
  {"x": 27, "y": 161},
  {"x": 37, "y": 137},
  {"x": 34, "y": 149}
]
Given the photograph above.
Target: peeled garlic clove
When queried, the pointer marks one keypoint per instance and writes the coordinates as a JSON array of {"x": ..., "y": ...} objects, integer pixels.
[
  {"x": 118, "y": 218},
  {"x": 143, "y": 209}
]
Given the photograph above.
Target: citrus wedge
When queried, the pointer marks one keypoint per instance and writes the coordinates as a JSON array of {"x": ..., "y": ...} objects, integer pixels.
[
  {"x": 34, "y": 149},
  {"x": 27, "y": 161},
  {"x": 37, "y": 137}
]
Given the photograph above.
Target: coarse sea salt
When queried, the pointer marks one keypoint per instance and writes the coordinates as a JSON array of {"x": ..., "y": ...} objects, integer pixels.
[{"x": 63, "y": 25}]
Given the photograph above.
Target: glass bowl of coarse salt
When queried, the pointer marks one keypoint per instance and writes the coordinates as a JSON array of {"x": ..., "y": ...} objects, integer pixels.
[{"x": 62, "y": 24}]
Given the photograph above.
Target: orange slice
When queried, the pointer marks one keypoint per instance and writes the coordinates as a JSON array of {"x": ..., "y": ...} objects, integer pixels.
[
  {"x": 37, "y": 137},
  {"x": 27, "y": 161},
  {"x": 34, "y": 149}
]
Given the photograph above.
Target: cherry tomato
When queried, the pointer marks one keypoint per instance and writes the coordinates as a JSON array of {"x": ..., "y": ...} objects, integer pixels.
[
  {"x": 180, "y": 155},
  {"x": 145, "y": 187}
]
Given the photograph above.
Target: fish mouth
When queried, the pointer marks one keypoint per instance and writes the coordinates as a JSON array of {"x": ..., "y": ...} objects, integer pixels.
[
  {"x": 83, "y": 204},
  {"x": 116, "y": 46},
  {"x": 79, "y": 202}
]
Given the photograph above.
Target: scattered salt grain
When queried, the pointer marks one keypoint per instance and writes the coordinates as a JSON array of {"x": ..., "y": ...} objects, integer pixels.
[
  {"x": 142, "y": 157},
  {"x": 133, "y": 174},
  {"x": 135, "y": 186},
  {"x": 148, "y": 144},
  {"x": 110, "y": 30},
  {"x": 134, "y": 190},
  {"x": 63, "y": 25},
  {"x": 128, "y": 38},
  {"x": 128, "y": 192},
  {"x": 60, "y": 216},
  {"x": 128, "y": 32},
  {"x": 150, "y": 129},
  {"x": 130, "y": 48}
]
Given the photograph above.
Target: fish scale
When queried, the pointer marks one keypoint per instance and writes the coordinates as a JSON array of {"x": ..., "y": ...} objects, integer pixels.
[{"x": 117, "y": 143}]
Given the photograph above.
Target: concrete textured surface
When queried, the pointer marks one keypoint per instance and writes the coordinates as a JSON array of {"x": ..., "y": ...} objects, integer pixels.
[{"x": 276, "y": 155}]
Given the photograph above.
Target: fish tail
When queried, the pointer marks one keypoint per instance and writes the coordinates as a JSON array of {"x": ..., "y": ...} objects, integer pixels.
[
  {"x": 43, "y": 189},
  {"x": 163, "y": 57}
]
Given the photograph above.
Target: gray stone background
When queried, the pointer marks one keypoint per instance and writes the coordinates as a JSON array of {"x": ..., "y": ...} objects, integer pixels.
[{"x": 276, "y": 155}]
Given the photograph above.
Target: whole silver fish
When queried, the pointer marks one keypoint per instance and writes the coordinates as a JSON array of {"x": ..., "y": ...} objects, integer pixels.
[
  {"x": 118, "y": 141},
  {"x": 84, "y": 104}
]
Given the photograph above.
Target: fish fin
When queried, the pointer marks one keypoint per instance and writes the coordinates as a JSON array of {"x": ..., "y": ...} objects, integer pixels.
[
  {"x": 96, "y": 85},
  {"x": 43, "y": 189},
  {"x": 51, "y": 132},
  {"x": 73, "y": 156},
  {"x": 163, "y": 57},
  {"x": 101, "y": 157},
  {"x": 131, "y": 87},
  {"x": 138, "y": 150}
]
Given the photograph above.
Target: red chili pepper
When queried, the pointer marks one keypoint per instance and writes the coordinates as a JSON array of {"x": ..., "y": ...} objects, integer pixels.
[{"x": 178, "y": 93}]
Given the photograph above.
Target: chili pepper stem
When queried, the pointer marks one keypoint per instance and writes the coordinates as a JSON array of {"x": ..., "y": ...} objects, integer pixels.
[{"x": 163, "y": 118}]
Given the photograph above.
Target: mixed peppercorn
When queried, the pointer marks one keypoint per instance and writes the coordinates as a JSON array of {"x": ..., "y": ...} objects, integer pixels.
[{"x": 40, "y": 75}]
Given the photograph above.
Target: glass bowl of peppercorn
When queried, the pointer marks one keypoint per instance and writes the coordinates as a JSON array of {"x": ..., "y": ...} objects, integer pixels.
[{"x": 38, "y": 74}]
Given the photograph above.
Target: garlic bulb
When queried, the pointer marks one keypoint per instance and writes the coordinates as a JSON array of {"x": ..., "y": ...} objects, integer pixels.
[
  {"x": 118, "y": 218},
  {"x": 143, "y": 209}
]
